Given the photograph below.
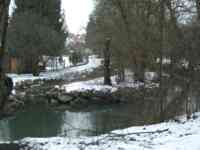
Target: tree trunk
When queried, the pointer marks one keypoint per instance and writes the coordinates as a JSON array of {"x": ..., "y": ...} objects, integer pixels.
[
  {"x": 175, "y": 36},
  {"x": 120, "y": 70},
  {"x": 140, "y": 71},
  {"x": 107, "y": 79},
  {"x": 4, "y": 4},
  {"x": 161, "y": 96},
  {"x": 198, "y": 9},
  {"x": 4, "y": 8},
  {"x": 122, "y": 73}
]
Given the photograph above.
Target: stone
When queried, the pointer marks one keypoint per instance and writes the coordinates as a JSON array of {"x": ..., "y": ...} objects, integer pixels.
[
  {"x": 21, "y": 95},
  {"x": 79, "y": 103},
  {"x": 11, "y": 107},
  {"x": 64, "y": 99},
  {"x": 53, "y": 101},
  {"x": 11, "y": 98},
  {"x": 10, "y": 146},
  {"x": 52, "y": 93}
]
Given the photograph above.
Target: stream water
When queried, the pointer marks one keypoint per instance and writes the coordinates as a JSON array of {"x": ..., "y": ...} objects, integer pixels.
[{"x": 40, "y": 121}]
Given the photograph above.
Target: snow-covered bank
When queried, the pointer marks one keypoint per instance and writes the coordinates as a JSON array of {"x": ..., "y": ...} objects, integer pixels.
[
  {"x": 97, "y": 85},
  {"x": 93, "y": 63},
  {"x": 183, "y": 135}
]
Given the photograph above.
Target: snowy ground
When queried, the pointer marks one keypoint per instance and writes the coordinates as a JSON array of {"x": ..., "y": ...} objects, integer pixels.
[
  {"x": 97, "y": 84},
  {"x": 60, "y": 65},
  {"x": 55, "y": 64},
  {"x": 93, "y": 63},
  {"x": 183, "y": 135}
]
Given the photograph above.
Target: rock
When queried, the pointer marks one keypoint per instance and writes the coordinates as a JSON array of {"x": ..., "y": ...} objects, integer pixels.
[
  {"x": 64, "y": 99},
  {"x": 73, "y": 103},
  {"x": 12, "y": 107},
  {"x": 95, "y": 99},
  {"x": 53, "y": 93},
  {"x": 35, "y": 85},
  {"x": 21, "y": 95},
  {"x": 79, "y": 102},
  {"x": 10, "y": 146},
  {"x": 28, "y": 82},
  {"x": 30, "y": 98},
  {"x": 41, "y": 95},
  {"x": 87, "y": 94},
  {"x": 53, "y": 101},
  {"x": 12, "y": 98}
]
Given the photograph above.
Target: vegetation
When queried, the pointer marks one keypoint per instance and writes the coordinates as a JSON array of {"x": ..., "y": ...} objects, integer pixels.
[
  {"x": 36, "y": 29},
  {"x": 134, "y": 39},
  {"x": 144, "y": 33},
  {"x": 4, "y": 8}
]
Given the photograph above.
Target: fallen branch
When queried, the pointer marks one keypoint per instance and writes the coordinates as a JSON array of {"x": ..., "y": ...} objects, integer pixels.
[
  {"x": 114, "y": 135},
  {"x": 145, "y": 132}
]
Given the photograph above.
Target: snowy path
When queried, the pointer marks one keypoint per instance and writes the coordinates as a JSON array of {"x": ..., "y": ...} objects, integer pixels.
[
  {"x": 177, "y": 136},
  {"x": 93, "y": 63}
]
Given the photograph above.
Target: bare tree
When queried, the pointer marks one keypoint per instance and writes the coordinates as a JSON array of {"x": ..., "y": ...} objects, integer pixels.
[
  {"x": 161, "y": 27},
  {"x": 198, "y": 9}
]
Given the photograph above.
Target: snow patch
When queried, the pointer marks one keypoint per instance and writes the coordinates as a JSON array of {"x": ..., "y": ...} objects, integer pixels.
[
  {"x": 98, "y": 85},
  {"x": 170, "y": 135},
  {"x": 93, "y": 63}
]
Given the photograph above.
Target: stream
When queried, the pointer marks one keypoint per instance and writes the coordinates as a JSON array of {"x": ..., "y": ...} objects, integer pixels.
[{"x": 42, "y": 121}]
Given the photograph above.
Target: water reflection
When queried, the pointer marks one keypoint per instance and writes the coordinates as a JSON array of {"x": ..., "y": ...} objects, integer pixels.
[
  {"x": 33, "y": 122},
  {"x": 5, "y": 132},
  {"x": 76, "y": 124},
  {"x": 42, "y": 122}
]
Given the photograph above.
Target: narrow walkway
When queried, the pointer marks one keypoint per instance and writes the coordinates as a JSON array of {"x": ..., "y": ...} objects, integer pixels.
[{"x": 93, "y": 63}]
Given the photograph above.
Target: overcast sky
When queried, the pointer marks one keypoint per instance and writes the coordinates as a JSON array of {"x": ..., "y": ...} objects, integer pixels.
[{"x": 77, "y": 13}]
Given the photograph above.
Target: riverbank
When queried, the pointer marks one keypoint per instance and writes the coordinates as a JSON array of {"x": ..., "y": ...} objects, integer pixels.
[
  {"x": 181, "y": 134},
  {"x": 63, "y": 96},
  {"x": 79, "y": 94},
  {"x": 26, "y": 85}
]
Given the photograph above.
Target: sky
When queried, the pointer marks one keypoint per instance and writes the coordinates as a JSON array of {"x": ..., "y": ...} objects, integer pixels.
[{"x": 77, "y": 14}]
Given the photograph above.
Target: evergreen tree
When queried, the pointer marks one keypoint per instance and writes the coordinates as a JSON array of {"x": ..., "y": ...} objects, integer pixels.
[
  {"x": 36, "y": 29},
  {"x": 48, "y": 9}
]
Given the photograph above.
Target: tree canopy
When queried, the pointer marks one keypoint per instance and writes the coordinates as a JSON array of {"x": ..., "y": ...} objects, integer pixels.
[{"x": 36, "y": 29}]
